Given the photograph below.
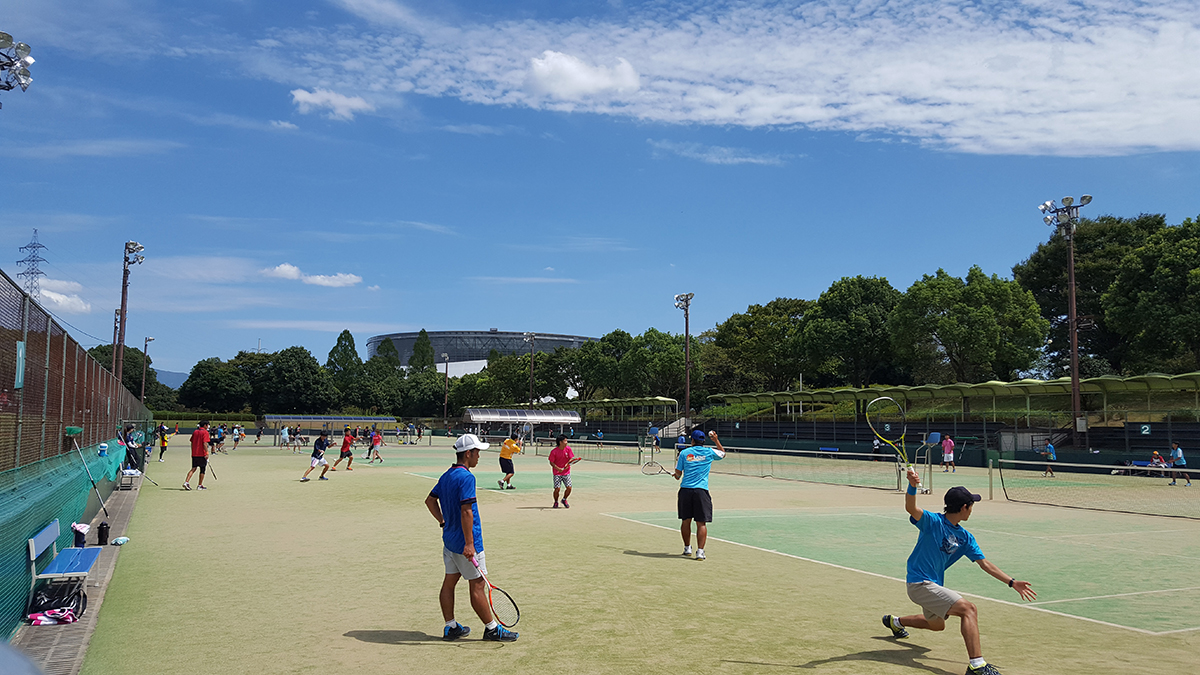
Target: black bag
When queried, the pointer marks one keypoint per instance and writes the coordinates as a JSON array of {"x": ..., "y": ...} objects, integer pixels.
[{"x": 59, "y": 596}]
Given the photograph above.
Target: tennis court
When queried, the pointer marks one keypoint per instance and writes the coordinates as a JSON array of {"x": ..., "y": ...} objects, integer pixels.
[{"x": 262, "y": 573}]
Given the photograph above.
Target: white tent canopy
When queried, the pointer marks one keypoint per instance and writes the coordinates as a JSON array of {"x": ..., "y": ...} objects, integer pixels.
[{"x": 477, "y": 415}]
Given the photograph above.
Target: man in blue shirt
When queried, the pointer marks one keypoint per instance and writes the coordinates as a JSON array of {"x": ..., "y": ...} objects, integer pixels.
[
  {"x": 695, "y": 503},
  {"x": 452, "y": 503},
  {"x": 1178, "y": 462},
  {"x": 1048, "y": 453},
  {"x": 941, "y": 543}
]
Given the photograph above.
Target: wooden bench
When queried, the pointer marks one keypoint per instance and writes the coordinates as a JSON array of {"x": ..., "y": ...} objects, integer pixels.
[{"x": 70, "y": 564}]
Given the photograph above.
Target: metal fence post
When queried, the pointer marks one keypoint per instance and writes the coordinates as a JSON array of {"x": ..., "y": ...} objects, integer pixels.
[{"x": 991, "y": 494}]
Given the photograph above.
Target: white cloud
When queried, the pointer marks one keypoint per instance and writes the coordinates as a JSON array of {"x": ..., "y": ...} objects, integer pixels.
[
  {"x": 109, "y": 147},
  {"x": 715, "y": 154},
  {"x": 289, "y": 271},
  {"x": 1093, "y": 77},
  {"x": 373, "y": 288},
  {"x": 62, "y": 296},
  {"x": 473, "y": 129},
  {"x": 567, "y": 77},
  {"x": 286, "y": 126},
  {"x": 549, "y": 269},
  {"x": 340, "y": 107}
]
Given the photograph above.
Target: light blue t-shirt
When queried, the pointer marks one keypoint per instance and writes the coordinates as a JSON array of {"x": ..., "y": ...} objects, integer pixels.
[
  {"x": 1050, "y": 452},
  {"x": 1177, "y": 457},
  {"x": 939, "y": 546},
  {"x": 694, "y": 462}
]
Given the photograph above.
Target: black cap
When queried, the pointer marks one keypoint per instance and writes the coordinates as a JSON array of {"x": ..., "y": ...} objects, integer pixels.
[{"x": 960, "y": 496}]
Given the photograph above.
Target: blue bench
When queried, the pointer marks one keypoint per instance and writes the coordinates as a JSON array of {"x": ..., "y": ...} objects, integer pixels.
[{"x": 70, "y": 564}]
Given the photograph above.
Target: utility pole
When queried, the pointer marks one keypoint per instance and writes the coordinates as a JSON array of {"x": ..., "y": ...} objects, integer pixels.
[
  {"x": 131, "y": 257},
  {"x": 32, "y": 271},
  {"x": 145, "y": 361},
  {"x": 684, "y": 301},
  {"x": 531, "y": 338}
]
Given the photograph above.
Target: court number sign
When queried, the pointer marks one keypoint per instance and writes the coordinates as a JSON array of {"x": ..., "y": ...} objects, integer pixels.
[
  {"x": 887, "y": 427},
  {"x": 1145, "y": 429}
]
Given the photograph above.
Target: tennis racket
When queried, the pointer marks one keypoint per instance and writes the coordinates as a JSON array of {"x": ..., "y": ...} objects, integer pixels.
[
  {"x": 504, "y": 608},
  {"x": 887, "y": 419},
  {"x": 653, "y": 468}
]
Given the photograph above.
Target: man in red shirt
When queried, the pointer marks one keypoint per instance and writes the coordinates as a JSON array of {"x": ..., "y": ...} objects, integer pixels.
[
  {"x": 347, "y": 453},
  {"x": 199, "y": 455}
]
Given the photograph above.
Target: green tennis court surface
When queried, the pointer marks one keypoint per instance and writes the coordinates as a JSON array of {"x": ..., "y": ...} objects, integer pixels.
[{"x": 264, "y": 574}]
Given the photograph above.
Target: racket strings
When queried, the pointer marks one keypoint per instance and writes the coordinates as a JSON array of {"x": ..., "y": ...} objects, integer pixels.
[{"x": 504, "y": 609}]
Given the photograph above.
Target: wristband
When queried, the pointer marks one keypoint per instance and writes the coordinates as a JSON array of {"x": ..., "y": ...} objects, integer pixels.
[
  {"x": 912, "y": 490},
  {"x": 443, "y": 526},
  {"x": 1010, "y": 582}
]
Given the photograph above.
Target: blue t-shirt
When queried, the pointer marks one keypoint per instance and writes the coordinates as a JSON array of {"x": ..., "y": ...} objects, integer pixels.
[
  {"x": 939, "y": 546},
  {"x": 455, "y": 488},
  {"x": 695, "y": 462},
  {"x": 1050, "y": 452},
  {"x": 319, "y": 447},
  {"x": 1177, "y": 457}
]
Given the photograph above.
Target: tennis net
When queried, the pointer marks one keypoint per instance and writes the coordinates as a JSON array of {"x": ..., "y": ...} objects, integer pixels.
[
  {"x": 617, "y": 452},
  {"x": 831, "y": 467},
  {"x": 1124, "y": 489}
]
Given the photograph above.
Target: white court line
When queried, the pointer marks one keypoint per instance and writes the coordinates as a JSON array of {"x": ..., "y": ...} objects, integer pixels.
[
  {"x": 884, "y": 576},
  {"x": 434, "y": 479},
  {"x": 1117, "y": 595}
]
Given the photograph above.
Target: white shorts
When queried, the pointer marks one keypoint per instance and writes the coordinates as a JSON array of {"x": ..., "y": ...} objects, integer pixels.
[
  {"x": 457, "y": 563},
  {"x": 318, "y": 461},
  {"x": 948, "y": 457},
  {"x": 562, "y": 481},
  {"x": 934, "y": 599}
]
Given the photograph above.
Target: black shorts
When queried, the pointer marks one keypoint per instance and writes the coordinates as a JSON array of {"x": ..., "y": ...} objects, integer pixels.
[
  {"x": 346, "y": 453},
  {"x": 506, "y": 465},
  {"x": 199, "y": 463},
  {"x": 695, "y": 504}
]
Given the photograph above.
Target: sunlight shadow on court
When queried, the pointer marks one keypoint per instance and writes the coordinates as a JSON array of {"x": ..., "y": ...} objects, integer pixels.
[
  {"x": 672, "y": 556},
  {"x": 905, "y": 657}
]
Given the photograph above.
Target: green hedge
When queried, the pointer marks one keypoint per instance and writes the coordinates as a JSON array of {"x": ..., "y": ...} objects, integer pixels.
[{"x": 171, "y": 416}]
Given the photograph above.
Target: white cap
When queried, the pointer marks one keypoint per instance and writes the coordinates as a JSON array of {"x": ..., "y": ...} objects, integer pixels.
[{"x": 469, "y": 442}]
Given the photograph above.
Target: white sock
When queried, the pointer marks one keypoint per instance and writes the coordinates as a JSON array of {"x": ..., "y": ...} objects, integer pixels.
[
  {"x": 896, "y": 623},
  {"x": 451, "y": 623},
  {"x": 978, "y": 663},
  {"x": 491, "y": 625}
]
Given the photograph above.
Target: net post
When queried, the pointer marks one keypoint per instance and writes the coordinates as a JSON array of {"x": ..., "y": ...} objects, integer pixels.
[{"x": 991, "y": 494}]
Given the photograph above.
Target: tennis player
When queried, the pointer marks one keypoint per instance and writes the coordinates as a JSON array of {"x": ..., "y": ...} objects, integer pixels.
[
  {"x": 941, "y": 543},
  {"x": 452, "y": 503},
  {"x": 1048, "y": 453},
  {"x": 694, "y": 502},
  {"x": 509, "y": 448},
  {"x": 199, "y": 455},
  {"x": 561, "y": 458},
  {"x": 948, "y": 455},
  {"x": 1178, "y": 462},
  {"x": 347, "y": 451},
  {"x": 318, "y": 457}
]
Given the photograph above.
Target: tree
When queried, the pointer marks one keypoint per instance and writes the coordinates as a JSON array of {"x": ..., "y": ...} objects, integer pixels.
[
  {"x": 945, "y": 328},
  {"x": 344, "y": 364},
  {"x": 215, "y": 386},
  {"x": 764, "y": 342},
  {"x": 131, "y": 377},
  {"x": 845, "y": 333},
  {"x": 1100, "y": 247},
  {"x": 422, "y": 355},
  {"x": 387, "y": 351},
  {"x": 294, "y": 383},
  {"x": 1154, "y": 302},
  {"x": 254, "y": 365}
]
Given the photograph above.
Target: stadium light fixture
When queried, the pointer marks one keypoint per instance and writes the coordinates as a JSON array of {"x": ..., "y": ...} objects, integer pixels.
[
  {"x": 531, "y": 338},
  {"x": 131, "y": 257},
  {"x": 1066, "y": 219},
  {"x": 14, "y": 64},
  {"x": 684, "y": 301}
]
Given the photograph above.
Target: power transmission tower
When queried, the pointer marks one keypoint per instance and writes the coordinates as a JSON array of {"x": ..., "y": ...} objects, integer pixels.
[{"x": 33, "y": 284}]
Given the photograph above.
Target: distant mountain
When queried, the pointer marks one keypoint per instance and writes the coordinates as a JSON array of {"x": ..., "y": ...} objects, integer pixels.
[{"x": 172, "y": 380}]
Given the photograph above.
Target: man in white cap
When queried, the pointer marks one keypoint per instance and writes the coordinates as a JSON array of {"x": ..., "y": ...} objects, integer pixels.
[{"x": 452, "y": 503}]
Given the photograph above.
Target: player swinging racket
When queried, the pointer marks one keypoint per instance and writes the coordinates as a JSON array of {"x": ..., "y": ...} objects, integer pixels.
[
  {"x": 694, "y": 501},
  {"x": 452, "y": 503},
  {"x": 941, "y": 543}
]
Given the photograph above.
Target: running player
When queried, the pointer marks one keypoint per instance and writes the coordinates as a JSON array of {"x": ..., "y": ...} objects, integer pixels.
[
  {"x": 694, "y": 502},
  {"x": 318, "y": 457},
  {"x": 1178, "y": 462},
  {"x": 452, "y": 504},
  {"x": 1048, "y": 453},
  {"x": 347, "y": 452},
  {"x": 509, "y": 448},
  {"x": 941, "y": 543}
]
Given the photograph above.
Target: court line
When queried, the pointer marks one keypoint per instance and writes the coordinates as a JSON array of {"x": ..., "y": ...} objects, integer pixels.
[
  {"x": 1143, "y": 631},
  {"x": 1117, "y": 595},
  {"x": 488, "y": 490}
]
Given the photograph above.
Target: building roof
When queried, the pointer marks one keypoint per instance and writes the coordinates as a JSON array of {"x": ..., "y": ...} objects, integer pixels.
[{"x": 520, "y": 416}]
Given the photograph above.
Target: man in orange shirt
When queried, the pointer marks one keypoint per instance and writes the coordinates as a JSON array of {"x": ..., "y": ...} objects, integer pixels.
[
  {"x": 507, "y": 450},
  {"x": 199, "y": 455}
]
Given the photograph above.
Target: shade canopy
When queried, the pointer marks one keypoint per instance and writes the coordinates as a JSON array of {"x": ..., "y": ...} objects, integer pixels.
[{"x": 520, "y": 416}]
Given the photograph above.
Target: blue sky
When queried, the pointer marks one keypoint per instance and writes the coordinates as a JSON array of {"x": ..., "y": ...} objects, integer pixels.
[{"x": 295, "y": 168}]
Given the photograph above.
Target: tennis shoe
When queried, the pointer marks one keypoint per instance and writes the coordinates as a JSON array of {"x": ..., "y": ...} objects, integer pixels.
[
  {"x": 322, "y": 478},
  {"x": 458, "y": 631},
  {"x": 304, "y": 479},
  {"x": 985, "y": 669},
  {"x": 513, "y": 487},
  {"x": 201, "y": 488},
  {"x": 187, "y": 487},
  {"x": 499, "y": 634},
  {"x": 556, "y": 505},
  {"x": 566, "y": 505},
  {"x": 500, "y": 483},
  {"x": 699, "y": 555},
  {"x": 896, "y": 632},
  {"x": 687, "y": 551}
]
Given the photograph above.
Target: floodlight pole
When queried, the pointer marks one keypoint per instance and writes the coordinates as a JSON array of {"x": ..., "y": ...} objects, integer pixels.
[
  {"x": 145, "y": 359},
  {"x": 116, "y": 329},
  {"x": 531, "y": 338},
  {"x": 684, "y": 301},
  {"x": 1066, "y": 218},
  {"x": 446, "y": 399},
  {"x": 131, "y": 257}
]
